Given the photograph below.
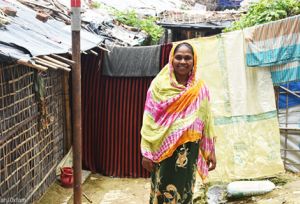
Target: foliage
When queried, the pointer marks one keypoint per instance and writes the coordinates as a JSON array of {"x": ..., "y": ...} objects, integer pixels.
[
  {"x": 95, "y": 5},
  {"x": 265, "y": 11},
  {"x": 147, "y": 24}
]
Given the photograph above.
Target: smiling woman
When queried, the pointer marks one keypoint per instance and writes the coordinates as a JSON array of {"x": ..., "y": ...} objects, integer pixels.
[
  {"x": 183, "y": 62},
  {"x": 177, "y": 132}
]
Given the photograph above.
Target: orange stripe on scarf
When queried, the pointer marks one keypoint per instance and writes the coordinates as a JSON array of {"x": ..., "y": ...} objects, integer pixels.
[
  {"x": 187, "y": 136},
  {"x": 185, "y": 100}
]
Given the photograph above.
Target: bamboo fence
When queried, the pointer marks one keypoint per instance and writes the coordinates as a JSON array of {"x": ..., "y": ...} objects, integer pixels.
[
  {"x": 32, "y": 131},
  {"x": 287, "y": 131}
]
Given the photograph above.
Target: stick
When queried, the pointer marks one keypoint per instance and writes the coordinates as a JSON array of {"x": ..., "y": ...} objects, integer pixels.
[
  {"x": 68, "y": 138},
  {"x": 65, "y": 69},
  {"x": 90, "y": 201},
  {"x": 102, "y": 48},
  {"x": 30, "y": 64},
  {"x": 289, "y": 91},
  {"x": 41, "y": 183},
  {"x": 55, "y": 61},
  {"x": 45, "y": 64},
  {"x": 51, "y": 64},
  {"x": 93, "y": 52},
  {"x": 70, "y": 62}
]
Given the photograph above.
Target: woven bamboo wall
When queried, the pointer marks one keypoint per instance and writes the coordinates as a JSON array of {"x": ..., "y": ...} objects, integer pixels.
[{"x": 32, "y": 131}]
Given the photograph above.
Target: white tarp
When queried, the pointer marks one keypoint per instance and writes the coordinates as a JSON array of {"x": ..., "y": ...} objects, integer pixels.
[{"x": 290, "y": 118}]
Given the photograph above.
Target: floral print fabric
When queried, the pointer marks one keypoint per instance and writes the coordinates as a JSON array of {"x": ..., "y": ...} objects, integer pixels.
[{"x": 172, "y": 181}]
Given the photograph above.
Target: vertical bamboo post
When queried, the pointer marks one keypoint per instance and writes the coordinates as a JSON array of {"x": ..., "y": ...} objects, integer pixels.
[
  {"x": 68, "y": 139},
  {"x": 286, "y": 126},
  {"x": 76, "y": 98}
]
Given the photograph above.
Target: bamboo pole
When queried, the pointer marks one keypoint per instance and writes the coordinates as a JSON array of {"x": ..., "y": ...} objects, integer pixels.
[
  {"x": 51, "y": 64},
  {"x": 55, "y": 61},
  {"x": 48, "y": 62},
  {"x": 291, "y": 129},
  {"x": 68, "y": 140},
  {"x": 76, "y": 96},
  {"x": 30, "y": 64},
  {"x": 41, "y": 62},
  {"x": 41, "y": 183},
  {"x": 94, "y": 53},
  {"x": 289, "y": 91},
  {"x": 102, "y": 48},
  {"x": 65, "y": 69},
  {"x": 70, "y": 62}
]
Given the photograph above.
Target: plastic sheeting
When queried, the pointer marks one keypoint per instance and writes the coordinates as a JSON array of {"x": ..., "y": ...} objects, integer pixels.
[
  {"x": 243, "y": 102},
  {"x": 225, "y": 4},
  {"x": 26, "y": 36},
  {"x": 132, "y": 62},
  {"x": 290, "y": 141},
  {"x": 289, "y": 100}
]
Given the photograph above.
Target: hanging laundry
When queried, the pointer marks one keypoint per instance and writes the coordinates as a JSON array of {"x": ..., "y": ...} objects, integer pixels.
[
  {"x": 243, "y": 104},
  {"x": 275, "y": 45},
  {"x": 285, "y": 73}
]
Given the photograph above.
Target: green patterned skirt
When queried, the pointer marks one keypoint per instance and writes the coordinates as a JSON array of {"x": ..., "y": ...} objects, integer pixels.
[{"x": 173, "y": 180}]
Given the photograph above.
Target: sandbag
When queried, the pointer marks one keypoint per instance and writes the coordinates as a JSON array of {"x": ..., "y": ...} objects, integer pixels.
[{"x": 249, "y": 188}]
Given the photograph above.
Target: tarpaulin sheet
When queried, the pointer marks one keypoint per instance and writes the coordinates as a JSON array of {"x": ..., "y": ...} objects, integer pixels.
[
  {"x": 243, "y": 102},
  {"x": 289, "y": 100},
  {"x": 32, "y": 37},
  {"x": 132, "y": 61},
  {"x": 290, "y": 141}
]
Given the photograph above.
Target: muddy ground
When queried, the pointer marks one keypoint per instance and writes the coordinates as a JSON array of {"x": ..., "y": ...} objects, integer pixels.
[{"x": 106, "y": 190}]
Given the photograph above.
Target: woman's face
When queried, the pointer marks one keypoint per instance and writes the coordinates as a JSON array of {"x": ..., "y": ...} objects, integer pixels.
[{"x": 183, "y": 61}]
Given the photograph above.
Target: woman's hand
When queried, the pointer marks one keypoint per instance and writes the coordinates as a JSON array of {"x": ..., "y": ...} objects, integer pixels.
[
  {"x": 211, "y": 161},
  {"x": 148, "y": 164}
]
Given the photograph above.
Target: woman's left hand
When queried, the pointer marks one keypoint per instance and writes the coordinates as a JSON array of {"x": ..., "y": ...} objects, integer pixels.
[{"x": 211, "y": 161}]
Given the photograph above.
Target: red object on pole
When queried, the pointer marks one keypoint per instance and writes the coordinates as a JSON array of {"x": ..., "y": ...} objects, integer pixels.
[
  {"x": 75, "y": 3},
  {"x": 76, "y": 100}
]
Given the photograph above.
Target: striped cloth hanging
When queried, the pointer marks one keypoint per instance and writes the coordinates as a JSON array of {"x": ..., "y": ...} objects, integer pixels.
[{"x": 275, "y": 45}]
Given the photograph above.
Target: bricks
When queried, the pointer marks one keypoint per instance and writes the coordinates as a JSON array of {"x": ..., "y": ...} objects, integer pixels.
[
  {"x": 42, "y": 16},
  {"x": 9, "y": 11}
]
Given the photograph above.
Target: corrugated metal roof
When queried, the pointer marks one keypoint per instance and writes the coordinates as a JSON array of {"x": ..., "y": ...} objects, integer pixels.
[
  {"x": 25, "y": 36},
  {"x": 220, "y": 25}
]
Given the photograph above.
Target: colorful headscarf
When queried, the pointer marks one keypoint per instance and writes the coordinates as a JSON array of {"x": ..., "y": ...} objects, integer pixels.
[{"x": 175, "y": 114}]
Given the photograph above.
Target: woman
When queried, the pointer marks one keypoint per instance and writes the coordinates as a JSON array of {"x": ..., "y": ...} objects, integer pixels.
[{"x": 177, "y": 131}]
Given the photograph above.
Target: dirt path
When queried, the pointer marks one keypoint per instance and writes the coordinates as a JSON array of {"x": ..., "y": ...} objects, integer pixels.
[
  {"x": 106, "y": 190},
  {"x": 287, "y": 192}
]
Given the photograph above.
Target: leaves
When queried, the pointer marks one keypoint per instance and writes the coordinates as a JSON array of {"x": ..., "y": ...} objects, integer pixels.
[
  {"x": 147, "y": 24},
  {"x": 265, "y": 11}
]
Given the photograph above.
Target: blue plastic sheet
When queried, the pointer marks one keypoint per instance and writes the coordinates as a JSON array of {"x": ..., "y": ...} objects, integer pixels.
[
  {"x": 229, "y": 3},
  {"x": 289, "y": 100}
]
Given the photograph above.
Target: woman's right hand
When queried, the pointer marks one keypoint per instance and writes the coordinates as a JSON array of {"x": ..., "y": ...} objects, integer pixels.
[{"x": 148, "y": 164}]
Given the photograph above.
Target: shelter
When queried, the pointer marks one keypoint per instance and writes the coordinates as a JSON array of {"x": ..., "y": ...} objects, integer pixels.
[
  {"x": 180, "y": 25},
  {"x": 34, "y": 99}
]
